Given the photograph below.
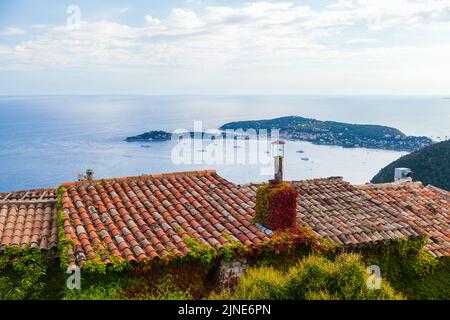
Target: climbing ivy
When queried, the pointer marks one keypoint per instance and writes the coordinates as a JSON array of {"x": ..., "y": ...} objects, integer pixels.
[
  {"x": 200, "y": 251},
  {"x": 65, "y": 245},
  {"x": 232, "y": 249},
  {"x": 276, "y": 206},
  {"x": 411, "y": 269},
  {"x": 22, "y": 273}
]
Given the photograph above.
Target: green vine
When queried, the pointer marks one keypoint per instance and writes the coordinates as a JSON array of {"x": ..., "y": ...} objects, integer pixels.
[
  {"x": 97, "y": 263},
  {"x": 65, "y": 245},
  {"x": 200, "y": 251},
  {"x": 411, "y": 269},
  {"x": 22, "y": 273},
  {"x": 262, "y": 204},
  {"x": 232, "y": 249}
]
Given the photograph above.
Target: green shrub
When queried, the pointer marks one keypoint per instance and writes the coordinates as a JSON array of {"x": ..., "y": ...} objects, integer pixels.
[
  {"x": 125, "y": 287},
  {"x": 102, "y": 291},
  {"x": 320, "y": 295},
  {"x": 343, "y": 279},
  {"x": 261, "y": 283},
  {"x": 312, "y": 274},
  {"x": 412, "y": 270},
  {"x": 349, "y": 277},
  {"x": 22, "y": 273},
  {"x": 312, "y": 278}
]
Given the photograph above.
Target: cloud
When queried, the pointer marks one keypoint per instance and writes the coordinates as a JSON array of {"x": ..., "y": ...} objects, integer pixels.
[
  {"x": 184, "y": 19},
  {"x": 362, "y": 40},
  {"x": 11, "y": 31},
  {"x": 39, "y": 26},
  {"x": 250, "y": 36},
  {"x": 152, "y": 21}
]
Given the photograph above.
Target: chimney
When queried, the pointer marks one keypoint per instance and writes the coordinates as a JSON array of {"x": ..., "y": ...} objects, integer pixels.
[
  {"x": 403, "y": 175},
  {"x": 276, "y": 201},
  {"x": 89, "y": 174},
  {"x": 278, "y": 154}
]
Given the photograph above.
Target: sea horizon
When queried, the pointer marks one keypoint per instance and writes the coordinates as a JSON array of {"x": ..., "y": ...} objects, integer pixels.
[{"x": 48, "y": 140}]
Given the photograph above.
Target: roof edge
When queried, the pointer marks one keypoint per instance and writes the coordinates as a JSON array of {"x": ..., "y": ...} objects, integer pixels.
[
  {"x": 387, "y": 185},
  {"x": 143, "y": 176}
]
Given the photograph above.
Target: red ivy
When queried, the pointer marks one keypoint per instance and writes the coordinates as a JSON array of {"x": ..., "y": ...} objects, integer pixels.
[{"x": 282, "y": 207}]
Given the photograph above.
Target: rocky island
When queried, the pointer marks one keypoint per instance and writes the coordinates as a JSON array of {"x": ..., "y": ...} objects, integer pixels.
[{"x": 319, "y": 132}]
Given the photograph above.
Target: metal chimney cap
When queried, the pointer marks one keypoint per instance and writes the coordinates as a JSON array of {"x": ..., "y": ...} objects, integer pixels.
[{"x": 403, "y": 174}]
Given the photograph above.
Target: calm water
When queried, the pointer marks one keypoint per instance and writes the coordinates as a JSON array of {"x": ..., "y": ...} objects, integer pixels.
[{"x": 49, "y": 140}]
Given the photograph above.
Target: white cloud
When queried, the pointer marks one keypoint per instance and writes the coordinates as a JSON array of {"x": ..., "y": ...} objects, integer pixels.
[
  {"x": 39, "y": 26},
  {"x": 249, "y": 38},
  {"x": 11, "y": 31},
  {"x": 184, "y": 19},
  {"x": 152, "y": 21},
  {"x": 362, "y": 40}
]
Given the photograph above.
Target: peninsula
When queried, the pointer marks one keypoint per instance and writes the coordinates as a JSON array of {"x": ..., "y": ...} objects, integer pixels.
[{"x": 319, "y": 132}]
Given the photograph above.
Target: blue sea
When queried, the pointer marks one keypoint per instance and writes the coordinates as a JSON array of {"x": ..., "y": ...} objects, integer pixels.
[{"x": 47, "y": 140}]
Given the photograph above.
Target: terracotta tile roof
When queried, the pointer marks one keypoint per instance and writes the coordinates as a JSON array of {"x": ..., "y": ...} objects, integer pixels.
[
  {"x": 336, "y": 210},
  {"x": 150, "y": 216},
  {"x": 425, "y": 207},
  {"x": 29, "y": 218},
  {"x": 147, "y": 217}
]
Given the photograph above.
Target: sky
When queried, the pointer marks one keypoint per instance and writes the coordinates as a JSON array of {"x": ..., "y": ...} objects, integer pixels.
[{"x": 202, "y": 47}]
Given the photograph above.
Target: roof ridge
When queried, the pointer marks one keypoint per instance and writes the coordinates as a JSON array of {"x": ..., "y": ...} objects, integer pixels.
[
  {"x": 328, "y": 179},
  {"x": 441, "y": 191},
  {"x": 389, "y": 185},
  {"x": 336, "y": 178},
  {"x": 143, "y": 176},
  {"x": 19, "y": 202},
  {"x": 28, "y": 190}
]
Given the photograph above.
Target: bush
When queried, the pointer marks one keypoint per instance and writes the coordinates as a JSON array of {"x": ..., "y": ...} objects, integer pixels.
[
  {"x": 313, "y": 278},
  {"x": 261, "y": 283},
  {"x": 350, "y": 277},
  {"x": 344, "y": 279},
  {"x": 121, "y": 287},
  {"x": 22, "y": 273},
  {"x": 103, "y": 291},
  {"x": 313, "y": 274}
]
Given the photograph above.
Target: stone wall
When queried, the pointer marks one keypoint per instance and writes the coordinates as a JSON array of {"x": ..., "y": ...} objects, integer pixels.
[{"x": 230, "y": 272}]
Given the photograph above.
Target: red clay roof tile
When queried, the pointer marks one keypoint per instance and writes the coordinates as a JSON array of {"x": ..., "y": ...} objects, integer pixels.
[
  {"x": 358, "y": 215},
  {"x": 152, "y": 214},
  {"x": 29, "y": 218}
]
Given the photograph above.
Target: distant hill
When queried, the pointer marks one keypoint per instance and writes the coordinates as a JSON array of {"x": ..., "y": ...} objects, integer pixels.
[
  {"x": 346, "y": 135},
  {"x": 431, "y": 165},
  {"x": 335, "y": 133}
]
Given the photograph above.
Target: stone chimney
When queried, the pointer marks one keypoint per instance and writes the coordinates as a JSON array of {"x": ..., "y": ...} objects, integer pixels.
[{"x": 403, "y": 175}]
